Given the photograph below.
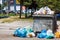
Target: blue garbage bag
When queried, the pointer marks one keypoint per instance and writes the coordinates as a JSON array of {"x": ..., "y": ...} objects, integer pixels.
[
  {"x": 41, "y": 35},
  {"x": 16, "y": 32},
  {"x": 58, "y": 15},
  {"x": 20, "y": 32},
  {"x": 44, "y": 31}
]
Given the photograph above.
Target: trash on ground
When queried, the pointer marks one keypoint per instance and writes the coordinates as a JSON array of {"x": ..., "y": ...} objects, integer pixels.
[
  {"x": 29, "y": 29},
  {"x": 44, "y": 31},
  {"x": 49, "y": 37},
  {"x": 42, "y": 34},
  {"x": 30, "y": 34},
  {"x": 57, "y": 34},
  {"x": 24, "y": 32},
  {"x": 46, "y": 34},
  {"x": 50, "y": 34},
  {"x": 16, "y": 32},
  {"x": 20, "y": 32},
  {"x": 49, "y": 31}
]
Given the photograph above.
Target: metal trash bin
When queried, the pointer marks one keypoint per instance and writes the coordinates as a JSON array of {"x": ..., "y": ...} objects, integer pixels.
[{"x": 41, "y": 22}]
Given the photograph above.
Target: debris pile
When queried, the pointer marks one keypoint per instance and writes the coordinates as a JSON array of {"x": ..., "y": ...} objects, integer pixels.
[{"x": 44, "y": 10}]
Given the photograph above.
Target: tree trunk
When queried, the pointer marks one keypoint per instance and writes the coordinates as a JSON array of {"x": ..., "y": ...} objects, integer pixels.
[{"x": 21, "y": 3}]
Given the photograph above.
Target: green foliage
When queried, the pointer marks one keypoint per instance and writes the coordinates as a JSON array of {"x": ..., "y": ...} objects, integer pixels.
[
  {"x": 27, "y": 2},
  {"x": 53, "y": 4}
]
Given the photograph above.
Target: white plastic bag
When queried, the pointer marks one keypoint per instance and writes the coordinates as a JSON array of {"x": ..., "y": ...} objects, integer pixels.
[
  {"x": 48, "y": 10},
  {"x": 49, "y": 31},
  {"x": 30, "y": 34},
  {"x": 44, "y": 10}
]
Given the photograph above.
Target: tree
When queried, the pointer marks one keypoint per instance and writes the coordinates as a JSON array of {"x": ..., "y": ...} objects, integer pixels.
[
  {"x": 53, "y": 4},
  {"x": 0, "y": 6}
]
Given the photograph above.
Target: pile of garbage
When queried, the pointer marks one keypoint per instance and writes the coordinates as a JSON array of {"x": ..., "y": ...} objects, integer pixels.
[
  {"x": 44, "y": 10},
  {"x": 29, "y": 32},
  {"x": 46, "y": 34},
  {"x": 24, "y": 32}
]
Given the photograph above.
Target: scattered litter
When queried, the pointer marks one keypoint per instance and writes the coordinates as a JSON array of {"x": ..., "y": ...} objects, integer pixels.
[{"x": 30, "y": 34}]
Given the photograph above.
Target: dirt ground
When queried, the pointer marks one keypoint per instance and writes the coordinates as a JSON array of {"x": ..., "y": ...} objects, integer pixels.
[{"x": 7, "y": 29}]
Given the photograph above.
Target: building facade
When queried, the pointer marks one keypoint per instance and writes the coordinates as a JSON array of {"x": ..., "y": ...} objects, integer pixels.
[
  {"x": 12, "y": 5},
  {"x": 0, "y": 1}
]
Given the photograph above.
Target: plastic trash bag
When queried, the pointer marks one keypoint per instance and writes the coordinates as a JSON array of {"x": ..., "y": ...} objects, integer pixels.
[
  {"x": 48, "y": 10},
  {"x": 58, "y": 15},
  {"x": 41, "y": 35},
  {"x": 49, "y": 37},
  {"x": 41, "y": 10},
  {"x": 23, "y": 32},
  {"x": 16, "y": 32},
  {"x": 44, "y": 31},
  {"x": 44, "y": 10},
  {"x": 20, "y": 32},
  {"x": 30, "y": 34},
  {"x": 49, "y": 31},
  {"x": 29, "y": 29},
  {"x": 49, "y": 34},
  {"x": 57, "y": 34}
]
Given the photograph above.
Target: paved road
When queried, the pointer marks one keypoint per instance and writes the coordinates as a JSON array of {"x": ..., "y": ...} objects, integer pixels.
[{"x": 7, "y": 29}]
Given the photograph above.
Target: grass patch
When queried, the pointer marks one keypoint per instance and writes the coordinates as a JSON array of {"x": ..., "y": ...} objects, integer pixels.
[
  {"x": 2, "y": 14},
  {"x": 28, "y": 19},
  {"x": 9, "y": 14},
  {"x": 10, "y": 19},
  {"x": 15, "y": 18},
  {"x": 12, "y": 14}
]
